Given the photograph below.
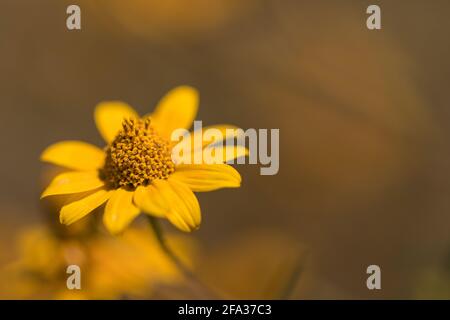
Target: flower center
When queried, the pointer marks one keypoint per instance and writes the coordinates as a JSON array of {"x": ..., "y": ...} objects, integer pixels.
[{"x": 136, "y": 157}]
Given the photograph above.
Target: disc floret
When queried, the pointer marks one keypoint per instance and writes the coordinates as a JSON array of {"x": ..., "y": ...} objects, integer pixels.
[{"x": 137, "y": 156}]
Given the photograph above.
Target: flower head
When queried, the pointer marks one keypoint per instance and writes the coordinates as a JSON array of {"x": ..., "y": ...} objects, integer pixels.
[
  {"x": 112, "y": 268},
  {"x": 136, "y": 157},
  {"x": 135, "y": 172}
]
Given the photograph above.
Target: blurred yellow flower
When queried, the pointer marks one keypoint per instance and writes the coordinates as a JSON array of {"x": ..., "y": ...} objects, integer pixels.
[
  {"x": 135, "y": 171},
  {"x": 165, "y": 19},
  {"x": 111, "y": 268}
]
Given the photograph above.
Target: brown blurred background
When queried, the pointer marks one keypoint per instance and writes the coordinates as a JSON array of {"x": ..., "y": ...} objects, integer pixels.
[{"x": 363, "y": 115}]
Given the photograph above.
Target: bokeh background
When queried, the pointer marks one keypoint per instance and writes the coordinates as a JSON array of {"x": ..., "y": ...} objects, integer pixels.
[{"x": 363, "y": 116}]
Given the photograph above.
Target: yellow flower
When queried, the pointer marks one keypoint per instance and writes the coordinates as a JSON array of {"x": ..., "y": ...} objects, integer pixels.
[
  {"x": 130, "y": 266},
  {"x": 135, "y": 172}
]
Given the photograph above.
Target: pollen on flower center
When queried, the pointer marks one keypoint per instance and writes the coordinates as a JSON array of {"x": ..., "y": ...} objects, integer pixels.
[{"x": 137, "y": 156}]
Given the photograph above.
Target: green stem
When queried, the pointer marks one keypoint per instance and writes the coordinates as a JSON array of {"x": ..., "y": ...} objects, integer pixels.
[
  {"x": 197, "y": 285},
  {"x": 292, "y": 281}
]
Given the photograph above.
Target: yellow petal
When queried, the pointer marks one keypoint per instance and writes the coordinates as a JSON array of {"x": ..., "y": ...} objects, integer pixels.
[
  {"x": 119, "y": 211},
  {"x": 227, "y": 132},
  {"x": 184, "y": 210},
  {"x": 150, "y": 200},
  {"x": 177, "y": 109},
  {"x": 216, "y": 154},
  {"x": 234, "y": 152},
  {"x": 76, "y": 210},
  {"x": 76, "y": 155},
  {"x": 109, "y": 117},
  {"x": 73, "y": 182},
  {"x": 207, "y": 177}
]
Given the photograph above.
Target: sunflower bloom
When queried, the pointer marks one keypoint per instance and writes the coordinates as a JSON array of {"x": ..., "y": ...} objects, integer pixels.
[
  {"x": 132, "y": 266},
  {"x": 135, "y": 172}
]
